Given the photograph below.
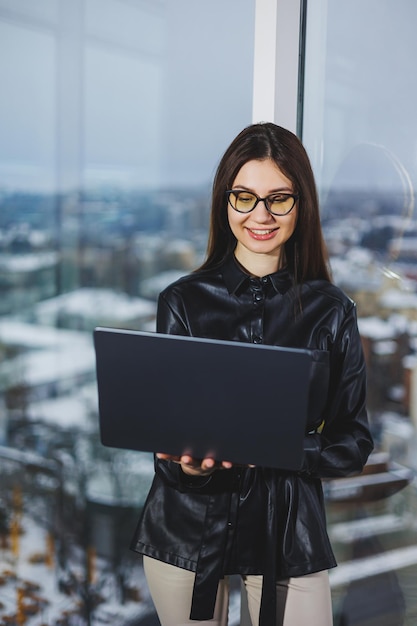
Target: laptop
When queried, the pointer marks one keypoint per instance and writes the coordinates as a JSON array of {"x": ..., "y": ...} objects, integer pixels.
[{"x": 232, "y": 401}]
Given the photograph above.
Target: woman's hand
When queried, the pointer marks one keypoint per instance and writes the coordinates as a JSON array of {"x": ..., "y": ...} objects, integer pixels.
[{"x": 196, "y": 467}]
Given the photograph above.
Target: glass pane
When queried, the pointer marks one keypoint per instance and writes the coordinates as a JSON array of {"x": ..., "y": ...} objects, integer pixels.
[
  {"x": 27, "y": 149},
  {"x": 113, "y": 115},
  {"x": 360, "y": 129}
]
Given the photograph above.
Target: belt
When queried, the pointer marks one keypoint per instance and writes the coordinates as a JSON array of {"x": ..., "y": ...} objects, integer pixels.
[{"x": 210, "y": 562}]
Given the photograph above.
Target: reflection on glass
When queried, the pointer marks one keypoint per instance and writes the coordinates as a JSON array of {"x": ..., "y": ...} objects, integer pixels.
[
  {"x": 360, "y": 133},
  {"x": 112, "y": 117}
]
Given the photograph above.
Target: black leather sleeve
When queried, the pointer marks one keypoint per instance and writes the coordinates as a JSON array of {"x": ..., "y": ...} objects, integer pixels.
[
  {"x": 170, "y": 319},
  {"x": 345, "y": 442}
]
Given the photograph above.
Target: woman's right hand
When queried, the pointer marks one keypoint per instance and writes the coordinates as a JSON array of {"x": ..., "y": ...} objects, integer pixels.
[{"x": 195, "y": 467}]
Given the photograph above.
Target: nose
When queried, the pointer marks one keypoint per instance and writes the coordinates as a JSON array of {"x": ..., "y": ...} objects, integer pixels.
[{"x": 261, "y": 213}]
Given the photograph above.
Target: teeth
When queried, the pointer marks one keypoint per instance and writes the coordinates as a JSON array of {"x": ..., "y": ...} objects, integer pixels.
[{"x": 261, "y": 232}]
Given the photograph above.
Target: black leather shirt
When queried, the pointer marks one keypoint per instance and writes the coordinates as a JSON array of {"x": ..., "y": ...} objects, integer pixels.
[{"x": 261, "y": 520}]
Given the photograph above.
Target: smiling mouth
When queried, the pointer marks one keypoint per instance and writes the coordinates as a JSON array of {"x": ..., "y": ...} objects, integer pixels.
[{"x": 255, "y": 231}]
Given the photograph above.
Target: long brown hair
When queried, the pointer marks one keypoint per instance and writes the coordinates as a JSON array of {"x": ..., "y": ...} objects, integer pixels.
[{"x": 305, "y": 250}]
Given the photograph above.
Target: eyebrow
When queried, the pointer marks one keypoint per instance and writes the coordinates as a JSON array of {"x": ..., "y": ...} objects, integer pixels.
[{"x": 270, "y": 193}]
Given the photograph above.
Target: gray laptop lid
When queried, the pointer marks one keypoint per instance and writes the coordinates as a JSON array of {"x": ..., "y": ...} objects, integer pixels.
[{"x": 233, "y": 401}]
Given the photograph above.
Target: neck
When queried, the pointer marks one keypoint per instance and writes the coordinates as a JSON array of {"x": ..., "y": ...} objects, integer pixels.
[{"x": 258, "y": 264}]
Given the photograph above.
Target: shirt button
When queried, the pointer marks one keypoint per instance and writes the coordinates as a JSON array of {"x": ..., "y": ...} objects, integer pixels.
[{"x": 258, "y": 297}]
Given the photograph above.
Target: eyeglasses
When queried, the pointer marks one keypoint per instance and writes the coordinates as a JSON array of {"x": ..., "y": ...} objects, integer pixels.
[{"x": 276, "y": 203}]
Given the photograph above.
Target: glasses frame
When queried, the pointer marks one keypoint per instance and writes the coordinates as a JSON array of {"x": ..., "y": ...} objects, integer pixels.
[{"x": 265, "y": 200}]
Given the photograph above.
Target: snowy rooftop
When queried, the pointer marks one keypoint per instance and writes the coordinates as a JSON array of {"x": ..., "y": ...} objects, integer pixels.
[
  {"x": 356, "y": 270},
  {"x": 15, "y": 333},
  {"x": 67, "y": 412},
  {"x": 39, "y": 367},
  {"x": 52, "y": 354},
  {"x": 151, "y": 287},
  {"x": 19, "y": 263},
  {"x": 386, "y": 347},
  {"x": 375, "y": 328},
  {"x": 404, "y": 244},
  {"x": 398, "y": 299},
  {"x": 97, "y": 303},
  {"x": 410, "y": 361}
]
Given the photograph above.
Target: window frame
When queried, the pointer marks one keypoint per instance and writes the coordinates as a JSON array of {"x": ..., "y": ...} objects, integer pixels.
[{"x": 279, "y": 62}]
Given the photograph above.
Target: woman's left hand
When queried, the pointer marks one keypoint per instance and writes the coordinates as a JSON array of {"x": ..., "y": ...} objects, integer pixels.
[{"x": 196, "y": 467}]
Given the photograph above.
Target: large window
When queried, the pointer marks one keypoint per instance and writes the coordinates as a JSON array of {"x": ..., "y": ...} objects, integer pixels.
[
  {"x": 360, "y": 128},
  {"x": 113, "y": 116}
]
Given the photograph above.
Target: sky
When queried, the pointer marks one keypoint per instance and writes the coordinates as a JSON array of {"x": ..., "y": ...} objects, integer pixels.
[
  {"x": 361, "y": 92},
  {"x": 149, "y": 93},
  {"x": 121, "y": 92}
]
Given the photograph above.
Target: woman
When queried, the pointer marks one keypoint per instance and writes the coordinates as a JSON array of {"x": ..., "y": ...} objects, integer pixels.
[{"x": 265, "y": 280}]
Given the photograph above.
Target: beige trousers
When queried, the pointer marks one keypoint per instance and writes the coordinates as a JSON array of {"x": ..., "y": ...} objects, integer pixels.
[{"x": 303, "y": 600}]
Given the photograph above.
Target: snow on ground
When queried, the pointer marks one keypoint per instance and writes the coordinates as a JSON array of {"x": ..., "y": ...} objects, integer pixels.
[{"x": 54, "y": 607}]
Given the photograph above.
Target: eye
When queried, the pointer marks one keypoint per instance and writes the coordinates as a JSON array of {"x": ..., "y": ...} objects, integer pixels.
[
  {"x": 245, "y": 197},
  {"x": 279, "y": 197}
]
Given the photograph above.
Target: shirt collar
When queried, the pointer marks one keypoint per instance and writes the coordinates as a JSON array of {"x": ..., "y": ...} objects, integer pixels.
[{"x": 236, "y": 279}]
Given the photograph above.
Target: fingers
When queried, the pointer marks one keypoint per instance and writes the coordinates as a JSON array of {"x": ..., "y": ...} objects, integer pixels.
[
  {"x": 201, "y": 467},
  {"x": 168, "y": 457},
  {"x": 207, "y": 464},
  {"x": 189, "y": 460},
  {"x": 197, "y": 466}
]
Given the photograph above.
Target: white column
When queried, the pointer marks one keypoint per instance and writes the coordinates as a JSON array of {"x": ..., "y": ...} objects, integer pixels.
[
  {"x": 276, "y": 62},
  {"x": 264, "y": 61}
]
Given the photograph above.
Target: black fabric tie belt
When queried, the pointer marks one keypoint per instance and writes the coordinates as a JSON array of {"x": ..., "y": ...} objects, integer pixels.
[{"x": 210, "y": 562}]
